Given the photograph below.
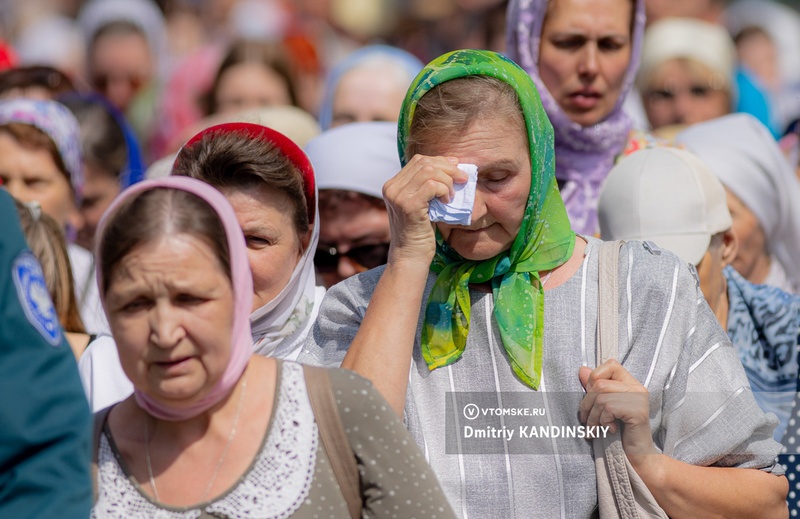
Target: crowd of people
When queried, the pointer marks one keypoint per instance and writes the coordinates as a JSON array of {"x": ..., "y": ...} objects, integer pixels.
[{"x": 452, "y": 258}]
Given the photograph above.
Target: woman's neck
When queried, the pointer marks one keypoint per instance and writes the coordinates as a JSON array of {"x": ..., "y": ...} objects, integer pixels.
[{"x": 759, "y": 269}]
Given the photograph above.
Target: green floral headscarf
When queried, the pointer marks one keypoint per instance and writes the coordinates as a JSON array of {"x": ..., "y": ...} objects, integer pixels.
[{"x": 545, "y": 239}]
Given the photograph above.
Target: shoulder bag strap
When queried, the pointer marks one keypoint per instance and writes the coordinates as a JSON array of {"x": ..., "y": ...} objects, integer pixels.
[
  {"x": 334, "y": 439},
  {"x": 621, "y": 493},
  {"x": 608, "y": 294}
]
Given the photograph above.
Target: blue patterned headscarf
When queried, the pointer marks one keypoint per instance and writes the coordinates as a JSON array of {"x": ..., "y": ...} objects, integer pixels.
[{"x": 764, "y": 327}]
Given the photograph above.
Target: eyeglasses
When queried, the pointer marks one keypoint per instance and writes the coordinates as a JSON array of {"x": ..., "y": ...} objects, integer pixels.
[{"x": 327, "y": 257}]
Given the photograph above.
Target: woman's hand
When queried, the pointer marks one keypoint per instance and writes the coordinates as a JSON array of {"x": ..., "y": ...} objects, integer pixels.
[
  {"x": 407, "y": 196},
  {"x": 612, "y": 395}
]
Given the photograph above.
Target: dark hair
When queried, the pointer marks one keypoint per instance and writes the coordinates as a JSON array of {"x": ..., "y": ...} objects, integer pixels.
[
  {"x": 750, "y": 31},
  {"x": 236, "y": 160},
  {"x": 451, "y": 107},
  {"x": 32, "y": 138},
  {"x": 161, "y": 212},
  {"x": 271, "y": 55},
  {"x": 46, "y": 240},
  {"x": 102, "y": 139},
  {"x": 48, "y": 78},
  {"x": 330, "y": 199}
]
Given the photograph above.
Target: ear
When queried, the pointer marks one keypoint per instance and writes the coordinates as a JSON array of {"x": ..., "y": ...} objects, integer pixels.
[
  {"x": 305, "y": 239},
  {"x": 730, "y": 247}
]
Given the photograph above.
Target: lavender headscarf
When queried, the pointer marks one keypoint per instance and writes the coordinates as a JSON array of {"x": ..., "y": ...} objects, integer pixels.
[
  {"x": 584, "y": 154},
  {"x": 58, "y": 124},
  {"x": 241, "y": 280}
]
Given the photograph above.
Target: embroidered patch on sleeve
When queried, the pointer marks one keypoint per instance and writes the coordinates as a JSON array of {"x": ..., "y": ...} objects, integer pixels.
[{"x": 34, "y": 297}]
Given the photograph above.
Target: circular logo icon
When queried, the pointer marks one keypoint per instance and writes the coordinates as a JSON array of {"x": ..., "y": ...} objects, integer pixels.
[{"x": 471, "y": 411}]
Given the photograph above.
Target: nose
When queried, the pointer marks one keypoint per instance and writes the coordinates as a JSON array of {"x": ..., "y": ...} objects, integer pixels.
[
  {"x": 346, "y": 268},
  {"x": 684, "y": 107},
  {"x": 166, "y": 330},
  {"x": 588, "y": 66},
  {"x": 479, "y": 208},
  {"x": 16, "y": 189}
]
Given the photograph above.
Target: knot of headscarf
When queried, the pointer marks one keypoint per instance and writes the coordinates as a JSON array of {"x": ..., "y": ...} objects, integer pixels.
[
  {"x": 585, "y": 154},
  {"x": 544, "y": 241}
]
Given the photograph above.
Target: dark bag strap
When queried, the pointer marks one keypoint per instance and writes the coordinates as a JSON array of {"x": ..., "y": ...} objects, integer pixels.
[
  {"x": 334, "y": 439},
  {"x": 99, "y": 422}
]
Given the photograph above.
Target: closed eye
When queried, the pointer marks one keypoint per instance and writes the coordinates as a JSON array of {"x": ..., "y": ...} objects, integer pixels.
[
  {"x": 189, "y": 299},
  {"x": 569, "y": 43},
  {"x": 257, "y": 242},
  {"x": 140, "y": 303},
  {"x": 611, "y": 43}
]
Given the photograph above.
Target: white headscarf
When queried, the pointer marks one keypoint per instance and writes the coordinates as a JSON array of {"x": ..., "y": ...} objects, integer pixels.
[
  {"x": 701, "y": 41},
  {"x": 279, "y": 328},
  {"x": 744, "y": 156},
  {"x": 358, "y": 157},
  {"x": 143, "y": 14}
]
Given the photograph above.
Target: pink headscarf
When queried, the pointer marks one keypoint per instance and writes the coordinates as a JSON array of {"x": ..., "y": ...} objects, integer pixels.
[{"x": 242, "y": 282}]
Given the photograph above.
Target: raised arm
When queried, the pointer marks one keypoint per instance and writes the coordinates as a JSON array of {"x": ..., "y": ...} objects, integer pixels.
[{"x": 382, "y": 348}]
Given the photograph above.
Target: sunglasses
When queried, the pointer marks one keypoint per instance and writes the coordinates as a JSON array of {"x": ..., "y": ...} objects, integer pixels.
[{"x": 327, "y": 257}]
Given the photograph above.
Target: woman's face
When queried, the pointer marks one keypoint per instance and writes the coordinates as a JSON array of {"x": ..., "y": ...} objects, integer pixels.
[
  {"x": 250, "y": 85},
  {"x": 583, "y": 56},
  {"x": 121, "y": 66},
  {"x": 368, "y": 94},
  {"x": 684, "y": 92},
  {"x": 30, "y": 174},
  {"x": 99, "y": 190},
  {"x": 170, "y": 308},
  {"x": 273, "y": 245},
  {"x": 501, "y": 152},
  {"x": 752, "y": 240}
]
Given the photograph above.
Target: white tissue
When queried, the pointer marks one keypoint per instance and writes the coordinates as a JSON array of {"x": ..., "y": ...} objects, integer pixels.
[{"x": 459, "y": 210}]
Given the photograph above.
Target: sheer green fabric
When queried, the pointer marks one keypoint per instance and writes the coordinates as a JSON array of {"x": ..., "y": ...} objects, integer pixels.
[{"x": 545, "y": 239}]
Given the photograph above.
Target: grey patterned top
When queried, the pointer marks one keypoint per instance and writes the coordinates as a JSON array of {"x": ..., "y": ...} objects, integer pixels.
[
  {"x": 292, "y": 476},
  {"x": 701, "y": 407}
]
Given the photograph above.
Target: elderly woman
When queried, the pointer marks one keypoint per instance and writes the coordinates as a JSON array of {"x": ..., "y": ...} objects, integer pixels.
[
  {"x": 508, "y": 304},
  {"x": 368, "y": 85},
  {"x": 763, "y": 196},
  {"x": 352, "y": 163},
  {"x": 270, "y": 183},
  {"x": 194, "y": 438},
  {"x": 40, "y": 161},
  {"x": 582, "y": 57},
  {"x": 687, "y": 72}
]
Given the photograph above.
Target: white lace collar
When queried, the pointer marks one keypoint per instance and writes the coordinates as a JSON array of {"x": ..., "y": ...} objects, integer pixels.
[{"x": 274, "y": 486}]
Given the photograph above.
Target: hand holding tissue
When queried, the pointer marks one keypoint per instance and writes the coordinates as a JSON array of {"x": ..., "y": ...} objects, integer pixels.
[{"x": 459, "y": 210}]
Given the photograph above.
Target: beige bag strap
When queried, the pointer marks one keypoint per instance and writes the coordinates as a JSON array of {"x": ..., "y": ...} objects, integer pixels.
[
  {"x": 621, "y": 493},
  {"x": 334, "y": 439},
  {"x": 100, "y": 418}
]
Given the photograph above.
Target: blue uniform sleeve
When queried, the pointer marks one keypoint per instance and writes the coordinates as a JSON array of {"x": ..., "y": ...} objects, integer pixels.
[{"x": 45, "y": 423}]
